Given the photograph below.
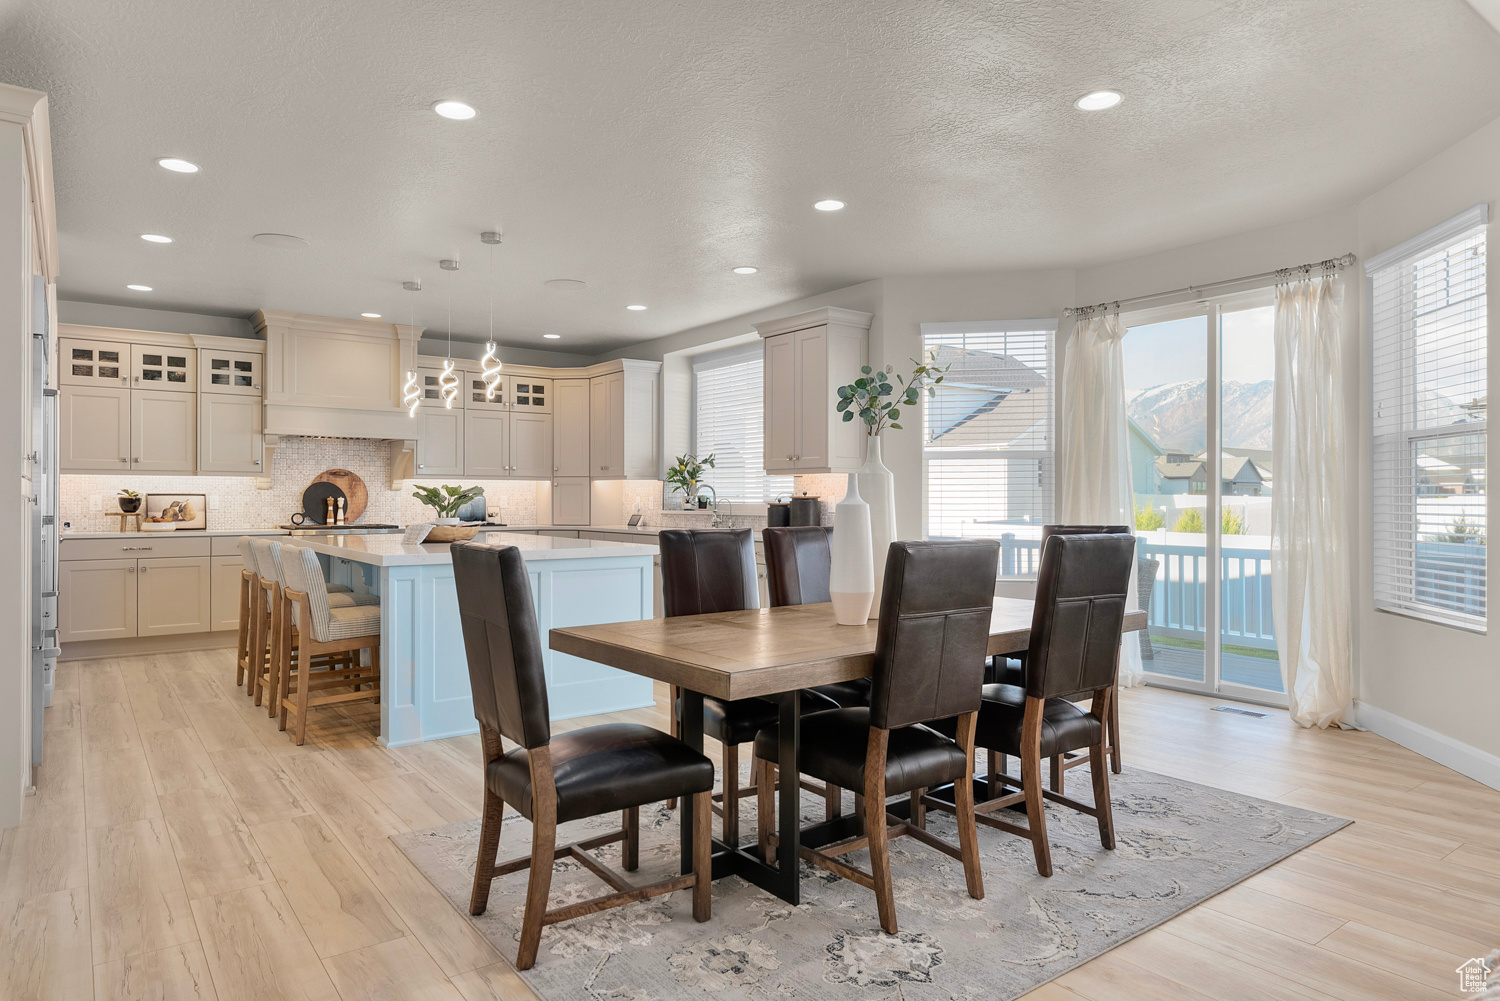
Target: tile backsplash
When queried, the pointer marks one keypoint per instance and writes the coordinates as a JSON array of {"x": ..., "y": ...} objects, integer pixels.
[{"x": 235, "y": 503}]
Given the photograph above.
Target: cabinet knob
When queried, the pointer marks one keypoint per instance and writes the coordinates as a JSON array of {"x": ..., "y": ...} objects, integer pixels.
[
  {"x": 138, "y": 458},
  {"x": 257, "y": 462},
  {"x": 420, "y": 466},
  {"x": 143, "y": 569},
  {"x": 130, "y": 569},
  {"x": 123, "y": 459}
]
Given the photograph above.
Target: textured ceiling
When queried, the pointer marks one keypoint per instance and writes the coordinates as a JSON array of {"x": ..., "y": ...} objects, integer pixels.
[{"x": 647, "y": 147}]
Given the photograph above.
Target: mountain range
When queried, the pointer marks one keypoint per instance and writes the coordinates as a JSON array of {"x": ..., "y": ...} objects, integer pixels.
[{"x": 1175, "y": 414}]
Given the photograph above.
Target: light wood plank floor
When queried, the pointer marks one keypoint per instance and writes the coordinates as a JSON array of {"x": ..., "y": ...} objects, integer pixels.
[{"x": 179, "y": 846}]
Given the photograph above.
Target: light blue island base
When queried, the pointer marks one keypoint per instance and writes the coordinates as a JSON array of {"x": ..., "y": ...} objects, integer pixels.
[{"x": 424, "y": 671}]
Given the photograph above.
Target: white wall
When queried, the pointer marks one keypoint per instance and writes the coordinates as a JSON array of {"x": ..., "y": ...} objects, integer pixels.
[
  {"x": 15, "y": 399},
  {"x": 1443, "y": 680}
]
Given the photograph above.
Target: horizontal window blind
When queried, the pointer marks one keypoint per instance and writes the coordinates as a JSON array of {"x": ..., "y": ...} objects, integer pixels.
[
  {"x": 1429, "y": 398},
  {"x": 728, "y": 422},
  {"x": 987, "y": 436}
]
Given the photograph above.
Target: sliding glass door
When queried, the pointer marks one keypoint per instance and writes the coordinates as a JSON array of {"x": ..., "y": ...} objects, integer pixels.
[{"x": 1198, "y": 382}]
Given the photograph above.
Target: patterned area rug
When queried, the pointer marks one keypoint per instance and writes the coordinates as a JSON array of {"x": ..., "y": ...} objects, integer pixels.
[{"x": 1177, "y": 844}]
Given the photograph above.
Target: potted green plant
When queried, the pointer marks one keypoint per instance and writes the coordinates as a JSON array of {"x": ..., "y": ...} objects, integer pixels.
[
  {"x": 130, "y": 501},
  {"x": 684, "y": 473},
  {"x": 446, "y": 500}
]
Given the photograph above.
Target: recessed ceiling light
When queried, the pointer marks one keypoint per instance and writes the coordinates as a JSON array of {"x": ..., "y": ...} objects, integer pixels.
[
  {"x": 566, "y": 284},
  {"x": 281, "y": 241},
  {"x": 178, "y": 165},
  {"x": 155, "y": 238},
  {"x": 370, "y": 316},
  {"x": 828, "y": 205},
  {"x": 456, "y": 110},
  {"x": 746, "y": 270},
  {"x": 139, "y": 288},
  {"x": 552, "y": 337},
  {"x": 1099, "y": 100},
  {"x": 637, "y": 308}
]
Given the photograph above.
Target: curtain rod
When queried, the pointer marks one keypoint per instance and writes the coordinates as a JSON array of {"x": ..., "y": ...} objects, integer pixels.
[{"x": 1191, "y": 291}]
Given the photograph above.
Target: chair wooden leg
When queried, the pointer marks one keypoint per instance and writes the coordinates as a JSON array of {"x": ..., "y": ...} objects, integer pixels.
[
  {"x": 1031, "y": 784},
  {"x": 675, "y": 725},
  {"x": 1059, "y": 773},
  {"x": 731, "y": 796},
  {"x": 765, "y": 807},
  {"x": 992, "y": 767},
  {"x": 1099, "y": 771},
  {"x": 918, "y": 808},
  {"x": 630, "y": 848},
  {"x": 304, "y": 687},
  {"x": 875, "y": 829},
  {"x": 242, "y": 636},
  {"x": 833, "y": 801},
  {"x": 489, "y": 846},
  {"x": 703, "y": 819},
  {"x": 963, "y": 804},
  {"x": 260, "y": 628},
  {"x": 280, "y": 627},
  {"x": 543, "y": 850},
  {"x": 1114, "y": 729}
]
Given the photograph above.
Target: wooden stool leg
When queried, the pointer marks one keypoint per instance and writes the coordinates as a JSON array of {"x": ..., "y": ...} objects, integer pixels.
[
  {"x": 260, "y": 628},
  {"x": 489, "y": 846},
  {"x": 675, "y": 725},
  {"x": 731, "y": 796},
  {"x": 242, "y": 637},
  {"x": 1059, "y": 773},
  {"x": 919, "y": 809},
  {"x": 304, "y": 686},
  {"x": 765, "y": 807},
  {"x": 992, "y": 767},
  {"x": 630, "y": 848},
  {"x": 278, "y": 651},
  {"x": 875, "y": 830},
  {"x": 703, "y": 819},
  {"x": 833, "y": 801}
]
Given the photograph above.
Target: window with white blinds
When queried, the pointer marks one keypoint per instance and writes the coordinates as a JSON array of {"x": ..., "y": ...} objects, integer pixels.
[
  {"x": 987, "y": 442},
  {"x": 1429, "y": 398},
  {"x": 728, "y": 422}
]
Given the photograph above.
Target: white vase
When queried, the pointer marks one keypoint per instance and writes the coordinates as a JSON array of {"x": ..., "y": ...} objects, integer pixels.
[
  {"x": 851, "y": 579},
  {"x": 878, "y": 488}
]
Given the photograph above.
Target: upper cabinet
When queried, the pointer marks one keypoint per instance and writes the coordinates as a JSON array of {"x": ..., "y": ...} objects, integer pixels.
[
  {"x": 229, "y": 439},
  {"x": 93, "y": 429},
  {"x": 156, "y": 367},
  {"x": 570, "y": 427},
  {"x": 808, "y": 356},
  {"x": 223, "y": 371},
  {"x": 93, "y": 363},
  {"x": 625, "y": 421}
]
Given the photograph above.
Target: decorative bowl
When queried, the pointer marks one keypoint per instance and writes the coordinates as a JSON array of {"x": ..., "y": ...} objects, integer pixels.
[{"x": 452, "y": 533}]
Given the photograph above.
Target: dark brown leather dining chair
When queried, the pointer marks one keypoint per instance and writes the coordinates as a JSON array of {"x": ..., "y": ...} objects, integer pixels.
[
  {"x": 714, "y": 571},
  {"x": 1075, "y": 643},
  {"x": 929, "y": 665},
  {"x": 1013, "y": 672},
  {"x": 552, "y": 780},
  {"x": 799, "y": 561}
]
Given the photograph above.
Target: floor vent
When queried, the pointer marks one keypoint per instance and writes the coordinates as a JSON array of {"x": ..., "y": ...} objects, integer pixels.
[{"x": 1239, "y": 712}]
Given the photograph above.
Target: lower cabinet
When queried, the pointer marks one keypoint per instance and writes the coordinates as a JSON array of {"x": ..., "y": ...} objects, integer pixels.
[
  {"x": 96, "y": 600},
  {"x": 224, "y": 592},
  {"x": 172, "y": 596},
  {"x": 570, "y": 500}
]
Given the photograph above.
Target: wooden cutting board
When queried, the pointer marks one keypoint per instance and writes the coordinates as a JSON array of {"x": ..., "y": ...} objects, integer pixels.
[{"x": 353, "y": 488}]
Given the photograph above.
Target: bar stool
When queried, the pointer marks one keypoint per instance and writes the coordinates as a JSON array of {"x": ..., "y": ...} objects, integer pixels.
[
  {"x": 269, "y": 631},
  {"x": 325, "y": 630},
  {"x": 249, "y": 588},
  {"x": 286, "y": 639}
]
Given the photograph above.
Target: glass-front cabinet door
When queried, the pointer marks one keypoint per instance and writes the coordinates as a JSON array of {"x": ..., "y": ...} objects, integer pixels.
[
  {"x": 93, "y": 363},
  {"x": 166, "y": 368},
  {"x": 1199, "y": 385}
]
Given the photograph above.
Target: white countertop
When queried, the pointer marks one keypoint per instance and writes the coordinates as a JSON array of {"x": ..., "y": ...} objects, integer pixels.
[
  {"x": 188, "y": 533},
  {"x": 389, "y": 550}
]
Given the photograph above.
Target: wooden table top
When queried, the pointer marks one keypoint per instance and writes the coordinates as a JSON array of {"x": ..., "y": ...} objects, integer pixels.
[{"x": 740, "y": 655}]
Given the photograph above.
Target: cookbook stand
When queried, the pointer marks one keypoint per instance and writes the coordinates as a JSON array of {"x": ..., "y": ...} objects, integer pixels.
[{"x": 123, "y": 515}]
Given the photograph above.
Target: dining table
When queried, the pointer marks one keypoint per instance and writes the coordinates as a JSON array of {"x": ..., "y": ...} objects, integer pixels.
[{"x": 772, "y": 654}]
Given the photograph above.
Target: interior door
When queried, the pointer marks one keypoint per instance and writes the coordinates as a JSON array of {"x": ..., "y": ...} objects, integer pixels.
[
  {"x": 530, "y": 445},
  {"x": 163, "y": 431},
  {"x": 94, "y": 429},
  {"x": 487, "y": 444}
]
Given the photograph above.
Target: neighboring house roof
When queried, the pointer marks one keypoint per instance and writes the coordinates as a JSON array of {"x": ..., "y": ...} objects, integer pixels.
[
  {"x": 1260, "y": 456},
  {"x": 991, "y": 400},
  {"x": 1180, "y": 470},
  {"x": 1144, "y": 435}
]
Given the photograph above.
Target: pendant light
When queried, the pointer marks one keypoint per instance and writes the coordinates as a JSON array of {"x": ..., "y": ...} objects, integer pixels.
[
  {"x": 490, "y": 365},
  {"x": 448, "y": 381},
  {"x": 411, "y": 393}
]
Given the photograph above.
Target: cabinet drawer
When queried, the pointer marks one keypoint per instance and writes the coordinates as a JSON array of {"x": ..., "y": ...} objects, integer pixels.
[
  {"x": 139, "y": 545},
  {"x": 228, "y": 545}
]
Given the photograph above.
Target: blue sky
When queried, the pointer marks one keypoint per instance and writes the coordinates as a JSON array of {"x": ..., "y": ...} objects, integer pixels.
[{"x": 1177, "y": 351}]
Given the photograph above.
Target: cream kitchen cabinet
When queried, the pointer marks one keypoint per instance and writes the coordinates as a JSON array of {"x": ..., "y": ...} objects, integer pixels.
[
  {"x": 570, "y": 500},
  {"x": 440, "y": 444},
  {"x": 807, "y": 357},
  {"x": 624, "y": 422},
  {"x": 94, "y": 429},
  {"x": 429, "y": 381},
  {"x": 173, "y": 596},
  {"x": 93, "y": 363},
  {"x": 157, "y": 367},
  {"x": 570, "y": 427},
  {"x": 530, "y": 445},
  {"x": 229, "y": 433},
  {"x": 163, "y": 431},
  {"x": 96, "y": 600},
  {"x": 224, "y": 592},
  {"x": 235, "y": 372},
  {"x": 529, "y": 394},
  {"x": 486, "y": 443}
]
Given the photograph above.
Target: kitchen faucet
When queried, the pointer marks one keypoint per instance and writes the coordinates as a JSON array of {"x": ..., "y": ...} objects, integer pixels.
[{"x": 713, "y": 495}]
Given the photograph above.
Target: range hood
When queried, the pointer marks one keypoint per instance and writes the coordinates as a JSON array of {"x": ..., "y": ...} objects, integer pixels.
[{"x": 333, "y": 378}]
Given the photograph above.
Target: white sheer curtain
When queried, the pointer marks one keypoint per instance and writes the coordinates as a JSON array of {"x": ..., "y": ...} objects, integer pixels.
[
  {"x": 1309, "y": 561},
  {"x": 1093, "y": 445}
]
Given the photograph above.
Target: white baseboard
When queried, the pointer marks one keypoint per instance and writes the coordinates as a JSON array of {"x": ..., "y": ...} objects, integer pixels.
[{"x": 1481, "y": 766}]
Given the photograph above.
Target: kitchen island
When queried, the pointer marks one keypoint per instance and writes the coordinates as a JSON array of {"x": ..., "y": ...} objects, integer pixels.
[{"x": 424, "y": 671}]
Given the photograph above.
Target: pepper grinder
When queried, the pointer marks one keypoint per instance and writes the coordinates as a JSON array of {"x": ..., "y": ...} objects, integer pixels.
[
  {"x": 329, "y": 516},
  {"x": 341, "y": 510}
]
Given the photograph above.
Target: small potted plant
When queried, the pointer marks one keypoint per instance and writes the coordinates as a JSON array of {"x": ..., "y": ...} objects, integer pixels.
[
  {"x": 130, "y": 501},
  {"x": 683, "y": 475},
  {"x": 446, "y": 501}
]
